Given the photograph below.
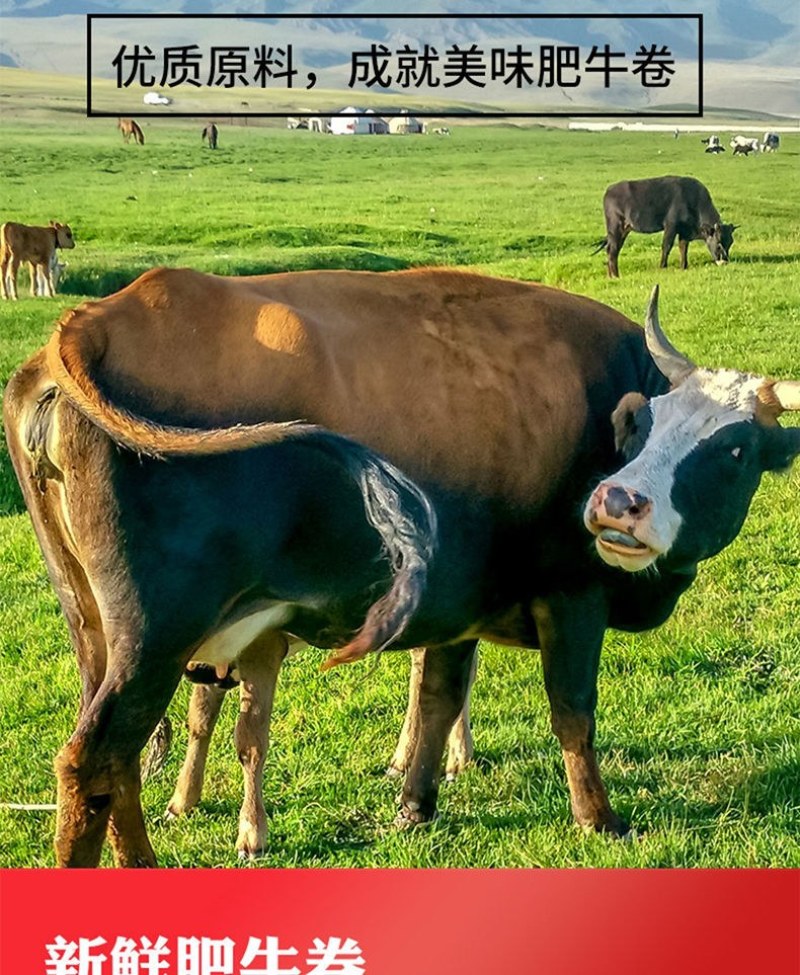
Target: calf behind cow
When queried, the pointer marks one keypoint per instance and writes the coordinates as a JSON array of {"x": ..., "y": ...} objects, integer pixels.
[
  {"x": 36, "y": 246},
  {"x": 679, "y": 205},
  {"x": 507, "y": 403}
]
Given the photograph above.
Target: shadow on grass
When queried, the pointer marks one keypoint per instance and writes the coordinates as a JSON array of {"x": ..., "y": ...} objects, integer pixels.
[{"x": 767, "y": 259}]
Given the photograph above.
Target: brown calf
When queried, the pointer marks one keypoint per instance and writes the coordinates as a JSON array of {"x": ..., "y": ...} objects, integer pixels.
[
  {"x": 37, "y": 246},
  {"x": 128, "y": 127},
  {"x": 257, "y": 670}
]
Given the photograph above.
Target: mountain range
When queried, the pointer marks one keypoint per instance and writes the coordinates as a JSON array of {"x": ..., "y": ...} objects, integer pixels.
[{"x": 750, "y": 46}]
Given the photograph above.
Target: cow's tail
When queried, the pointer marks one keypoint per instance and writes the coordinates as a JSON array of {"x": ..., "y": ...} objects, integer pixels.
[
  {"x": 599, "y": 245},
  {"x": 403, "y": 516},
  {"x": 71, "y": 356},
  {"x": 397, "y": 509}
]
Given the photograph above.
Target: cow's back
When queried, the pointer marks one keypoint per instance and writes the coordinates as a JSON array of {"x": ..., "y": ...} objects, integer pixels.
[
  {"x": 647, "y": 204},
  {"x": 473, "y": 382}
]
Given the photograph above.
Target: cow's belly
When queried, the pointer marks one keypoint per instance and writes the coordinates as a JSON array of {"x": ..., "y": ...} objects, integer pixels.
[{"x": 222, "y": 648}]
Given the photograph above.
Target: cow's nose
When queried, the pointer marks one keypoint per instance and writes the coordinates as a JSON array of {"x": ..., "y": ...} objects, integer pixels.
[{"x": 620, "y": 502}]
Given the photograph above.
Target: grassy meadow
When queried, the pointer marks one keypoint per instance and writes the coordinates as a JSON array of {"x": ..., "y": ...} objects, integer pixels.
[{"x": 698, "y": 722}]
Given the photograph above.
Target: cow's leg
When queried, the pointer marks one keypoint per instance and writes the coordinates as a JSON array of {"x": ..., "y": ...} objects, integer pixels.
[
  {"x": 407, "y": 741},
  {"x": 34, "y": 268},
  {"x": 47, "y": 275},
  {"x": 666, "y": 244},
  {"x": 258, "y": 668},
  {"x": 571, "y": 630},
  {"x": 97, "y": 770},
  {"x": 5, "y": 260},
  {"x": 443, "y": 690},
  {"x": 204, "y": 708},
  {"x": 615, "y": 239},
  {"x": 13, "y": 270},
  {"x": 460, "y": 747},
  {"x": 459, "y": 743},
  {"x": 126, "y": 830},
  {"x": 683, "y": 248}
]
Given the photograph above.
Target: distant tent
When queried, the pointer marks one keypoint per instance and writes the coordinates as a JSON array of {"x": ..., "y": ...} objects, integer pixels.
[
  {"x": 405, "y": 125},
  {"x": 156, "y": 98},
  {"x": 350, "y": 122}
]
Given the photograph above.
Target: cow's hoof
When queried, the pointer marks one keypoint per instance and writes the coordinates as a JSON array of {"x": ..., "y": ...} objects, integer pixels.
[
  {"x": 455, "y": 768},
  {"x": 613, "y": 826},
  {"x": 251, "y": 841},
  {"x": 176, "y": 809},
  {"x": 394, "y": 772},
  {"x": 411, "y": 818}
]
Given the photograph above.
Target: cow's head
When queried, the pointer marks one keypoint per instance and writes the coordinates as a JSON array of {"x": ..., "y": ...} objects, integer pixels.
[
  {"x": 695, "y": 458},
  {"x": 719, "y": 240},
  {"x": 64, "y": 238}
]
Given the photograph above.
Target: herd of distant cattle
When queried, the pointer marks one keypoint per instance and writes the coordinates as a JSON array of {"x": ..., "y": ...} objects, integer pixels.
[
  {"x": 742, "y": 146},
  {"x": 680, "y": 206},
  {"x": 219, "y": 470}
]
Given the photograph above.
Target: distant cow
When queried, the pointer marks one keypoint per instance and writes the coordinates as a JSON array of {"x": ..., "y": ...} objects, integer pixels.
[
  {"x": 37, "y": 247},
  {"x": 487, "y": 416},
  {"x": 128, "y": 127},
  {"x": 771, "y": 143},
  {"x": 744, "y": 146},
  {"x": 679, "y": 205},
  {"x": 715, "y": 150},
  {"x": 210, "y": 134}
]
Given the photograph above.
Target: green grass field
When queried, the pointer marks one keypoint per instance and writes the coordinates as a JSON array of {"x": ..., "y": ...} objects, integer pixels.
[{"x": 699, "y": 727}]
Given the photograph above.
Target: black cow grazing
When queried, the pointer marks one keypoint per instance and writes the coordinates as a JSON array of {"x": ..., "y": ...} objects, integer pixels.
[
  {"x": 679, "y": 205},
  {"x": 715, "y": 150},
  {"x": 509, "y": 404},
  {"x": 211, "y": 135},
  {"x": 744, "y": 149}
]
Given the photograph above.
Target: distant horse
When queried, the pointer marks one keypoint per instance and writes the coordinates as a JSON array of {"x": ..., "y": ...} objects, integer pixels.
[
  {"x": 128, "y": 127},
  {"x": 210, "y": 133}
]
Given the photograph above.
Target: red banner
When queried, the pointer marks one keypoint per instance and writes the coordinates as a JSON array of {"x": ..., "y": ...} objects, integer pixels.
[{"x": 396, "y": 922}]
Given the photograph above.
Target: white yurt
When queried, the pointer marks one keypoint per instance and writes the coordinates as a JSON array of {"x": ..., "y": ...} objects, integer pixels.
[
  {"x": 350, "y": 122},
  {"x": 405, "y": 124}
]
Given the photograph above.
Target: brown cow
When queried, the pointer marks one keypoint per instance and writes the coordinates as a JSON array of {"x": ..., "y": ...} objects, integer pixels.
[
  {"x": 37, "y": 246},
  {"x": 498, "y": 408},
  {"x": 129, "y": 127}
]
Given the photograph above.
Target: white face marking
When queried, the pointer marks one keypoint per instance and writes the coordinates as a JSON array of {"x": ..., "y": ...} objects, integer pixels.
[{"x": 706, "y": 402}]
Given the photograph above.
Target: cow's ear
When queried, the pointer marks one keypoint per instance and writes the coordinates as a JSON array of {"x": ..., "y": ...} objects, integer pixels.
[
  {"x": 623, "y": 419},
  {"x": 782, "y": 447},
  {"x": 706, "y": 229}
]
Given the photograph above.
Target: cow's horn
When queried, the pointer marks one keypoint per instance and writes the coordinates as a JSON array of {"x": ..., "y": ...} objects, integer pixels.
[
  {"x": 675, "y": 366},
  {"x": 787, "y": 394}
]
